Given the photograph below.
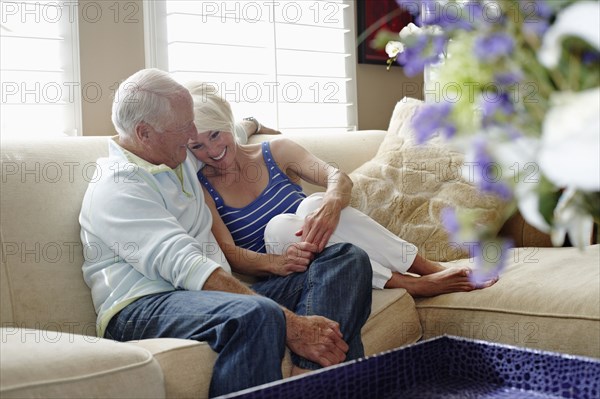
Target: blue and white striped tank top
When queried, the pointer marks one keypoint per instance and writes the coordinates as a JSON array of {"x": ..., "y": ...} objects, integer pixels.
[{"x": 247, "y": 224}]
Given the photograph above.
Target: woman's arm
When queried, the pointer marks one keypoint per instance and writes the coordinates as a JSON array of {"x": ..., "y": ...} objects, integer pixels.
[
  {"x": 299, "y": 163},
  {"x": 252, "y": 126},
  {"x": 296, "y": 259}
]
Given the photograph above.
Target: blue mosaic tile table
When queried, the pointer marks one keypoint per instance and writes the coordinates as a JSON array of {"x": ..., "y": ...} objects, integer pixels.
[{"x": 446, "y": 367}]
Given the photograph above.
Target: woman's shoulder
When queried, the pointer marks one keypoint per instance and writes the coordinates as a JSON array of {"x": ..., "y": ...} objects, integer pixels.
[
  {"x": 250, "y": 151},
  {"x": 284, "y": 145}
]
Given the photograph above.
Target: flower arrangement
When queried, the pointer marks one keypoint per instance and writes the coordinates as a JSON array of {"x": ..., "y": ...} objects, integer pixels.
[{"x": 517, "y": 88}]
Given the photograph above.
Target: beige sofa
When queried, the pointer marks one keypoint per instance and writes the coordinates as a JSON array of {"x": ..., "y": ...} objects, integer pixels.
[{"x": 547, "y": 299}]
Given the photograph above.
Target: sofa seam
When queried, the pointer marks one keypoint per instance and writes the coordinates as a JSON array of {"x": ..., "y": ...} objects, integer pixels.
[
  {"x": 8, "y": 279},
  {"x": 197, "y": 344},
  {"x": 150, "y": 358},
  {"x": 589, "y": 318}
]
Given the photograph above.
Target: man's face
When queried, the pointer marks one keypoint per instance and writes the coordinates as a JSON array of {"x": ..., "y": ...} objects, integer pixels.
[{"x": 169, "y": 145}]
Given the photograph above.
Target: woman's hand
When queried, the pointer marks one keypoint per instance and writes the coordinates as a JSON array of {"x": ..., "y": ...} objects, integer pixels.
[
  {"x": 296, "y": 259},
  {"x": 320, "y": 225}
]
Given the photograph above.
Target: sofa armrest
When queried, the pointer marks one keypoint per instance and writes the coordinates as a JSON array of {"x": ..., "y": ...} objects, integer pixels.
[
  {"x": 347, "y": 150},
  {"x": 523, "y": 234}
]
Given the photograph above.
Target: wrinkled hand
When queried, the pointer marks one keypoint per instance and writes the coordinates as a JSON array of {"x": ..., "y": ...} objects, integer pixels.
[
  {"x": 319, "y": 226},
  {"x": 316, "y": 338},
  {"x": 296, "y": 259}
]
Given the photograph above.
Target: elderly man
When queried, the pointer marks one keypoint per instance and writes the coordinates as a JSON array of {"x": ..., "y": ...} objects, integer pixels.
[{"x": 155, "y": 269}]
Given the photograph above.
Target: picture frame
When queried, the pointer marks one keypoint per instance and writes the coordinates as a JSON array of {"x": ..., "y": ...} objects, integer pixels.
[{"x": 373, "y": 16}]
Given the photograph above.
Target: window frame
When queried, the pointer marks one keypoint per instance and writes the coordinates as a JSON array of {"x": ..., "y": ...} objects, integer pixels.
[
  {"x": 156, "y": 50},
  {"x": 72, "y": 124}
]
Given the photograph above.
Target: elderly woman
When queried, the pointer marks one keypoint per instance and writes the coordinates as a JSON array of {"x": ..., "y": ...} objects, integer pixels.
[{"x": 266, "y": 225}]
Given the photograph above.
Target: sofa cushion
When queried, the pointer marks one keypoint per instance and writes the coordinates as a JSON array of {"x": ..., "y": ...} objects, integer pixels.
[
  {"x": 547, "y": 298},
  {"x": 394, "y": 321},
  {"x": 43, "y": 183},
  {"x": 406, "y": 186},
  {"x": 187, "y": 365},
  {"x": 38, "y": 363}
]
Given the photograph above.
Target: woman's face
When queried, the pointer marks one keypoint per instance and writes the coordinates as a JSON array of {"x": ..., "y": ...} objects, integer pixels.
[{"x": 215, "y": 148}]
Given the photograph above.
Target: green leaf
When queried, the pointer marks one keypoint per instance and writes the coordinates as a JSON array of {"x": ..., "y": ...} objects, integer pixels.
[
  {"x": 382, "y": 38},
  {"x": 548, "y": 198}
]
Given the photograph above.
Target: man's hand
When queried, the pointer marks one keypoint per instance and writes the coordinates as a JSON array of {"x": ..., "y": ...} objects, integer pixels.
[
  {"x": 316, "y": 338},
  {"x": 296, "y": 259}
]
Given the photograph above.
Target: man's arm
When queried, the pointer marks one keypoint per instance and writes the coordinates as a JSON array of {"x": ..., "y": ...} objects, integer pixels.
[{"x": 315, "y": 338}]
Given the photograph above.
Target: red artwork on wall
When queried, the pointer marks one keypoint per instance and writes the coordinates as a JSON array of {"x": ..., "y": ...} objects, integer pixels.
[{"x": 373, "y": 16}]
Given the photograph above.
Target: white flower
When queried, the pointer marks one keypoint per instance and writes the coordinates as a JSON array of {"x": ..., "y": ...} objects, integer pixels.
[
  {"x": 394, "y": 48},
  {"x": 528, "y": 202},
  {"x": 571, "y": 218},
  {"x": 580, "y": 20},
  {"x": 570, "y": 143},
  {"x": 410, "y": 30},
  {"x": 517, "y": 158}
]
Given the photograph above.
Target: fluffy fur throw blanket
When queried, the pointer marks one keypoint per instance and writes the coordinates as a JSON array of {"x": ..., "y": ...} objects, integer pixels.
[{"x": 406, "y": 186}]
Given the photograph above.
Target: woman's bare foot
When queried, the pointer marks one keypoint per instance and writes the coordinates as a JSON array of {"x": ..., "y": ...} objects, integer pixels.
[
  {"x": 442, "y": 282},
  {"x": 423, "y": 266}
]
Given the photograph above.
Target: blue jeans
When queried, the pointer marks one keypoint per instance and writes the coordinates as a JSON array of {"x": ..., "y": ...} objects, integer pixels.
[
  {"x": 247, "y": 331},
  {"x": 337, "y": 285}
]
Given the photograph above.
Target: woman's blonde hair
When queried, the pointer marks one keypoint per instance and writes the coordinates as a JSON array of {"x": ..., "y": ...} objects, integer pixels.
[{"x": 211, "y": 111}]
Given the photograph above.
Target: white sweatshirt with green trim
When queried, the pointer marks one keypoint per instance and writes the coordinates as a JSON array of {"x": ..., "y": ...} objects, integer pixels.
[{"x": 145, "y": 229}]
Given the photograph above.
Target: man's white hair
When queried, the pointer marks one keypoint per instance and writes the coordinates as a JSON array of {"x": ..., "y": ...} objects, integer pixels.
[{"x": 145, "y": 96}]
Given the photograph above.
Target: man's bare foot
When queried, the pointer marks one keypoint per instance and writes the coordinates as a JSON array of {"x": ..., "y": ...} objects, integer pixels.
[{"x": 443, "y": 282}]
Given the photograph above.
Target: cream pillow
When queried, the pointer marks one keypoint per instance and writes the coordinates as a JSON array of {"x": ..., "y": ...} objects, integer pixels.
[{"x": 406, "y": 186}]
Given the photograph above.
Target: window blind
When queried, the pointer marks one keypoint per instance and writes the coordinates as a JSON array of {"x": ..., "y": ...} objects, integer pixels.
[
  {"x": 39, "y": 68},
  {"x": 290, "y": 64}
]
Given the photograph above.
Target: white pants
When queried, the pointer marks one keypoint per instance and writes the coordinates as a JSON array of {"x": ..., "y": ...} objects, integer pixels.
[{"x": 386, "y": 251}]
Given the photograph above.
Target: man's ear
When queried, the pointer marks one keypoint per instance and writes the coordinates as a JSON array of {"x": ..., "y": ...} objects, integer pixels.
[{"x": 142, "y": 131}]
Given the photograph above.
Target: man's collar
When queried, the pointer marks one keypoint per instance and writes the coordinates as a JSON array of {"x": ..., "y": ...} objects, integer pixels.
[{"x": 140, "y": 162}]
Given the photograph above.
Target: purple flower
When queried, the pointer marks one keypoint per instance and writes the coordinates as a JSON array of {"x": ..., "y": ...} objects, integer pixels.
[
  {"x": 450, "y": 222},
  {"x": 489, "y": 48},
  {"x": 414, "y": 6},
  {"x": 537, "y": 14},
  {"x": 488, "y": 173},
  {"x": 431, "y": 118},
  {"x": 495, "y": 106},
  {"x": 490, "y": 260},
  {"x": 425, "y": 50},
  {"x": 508, "y": 78},
  {"x": 590, "y": 57}
]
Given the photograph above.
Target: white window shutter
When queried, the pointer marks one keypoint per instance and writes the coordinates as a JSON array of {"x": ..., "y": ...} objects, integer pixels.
[
  {"x": 290, "y": 64},
  {"x": 39, "y": 68}
]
